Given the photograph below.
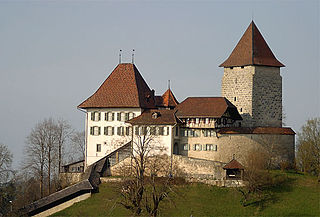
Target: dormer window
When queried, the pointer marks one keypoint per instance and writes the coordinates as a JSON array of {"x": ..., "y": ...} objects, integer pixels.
[{"x": 155, "y": 115}]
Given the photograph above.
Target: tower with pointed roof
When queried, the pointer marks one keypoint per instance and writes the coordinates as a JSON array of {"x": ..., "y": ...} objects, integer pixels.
[{"x": 252, "y": 81}]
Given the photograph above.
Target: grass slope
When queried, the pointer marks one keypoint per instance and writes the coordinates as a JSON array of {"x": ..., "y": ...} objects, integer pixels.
[{"x": 298, "y": 197}]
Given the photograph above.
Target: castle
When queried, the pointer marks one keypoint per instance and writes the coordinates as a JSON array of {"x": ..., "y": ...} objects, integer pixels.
[{"x": 248, "y": 114}]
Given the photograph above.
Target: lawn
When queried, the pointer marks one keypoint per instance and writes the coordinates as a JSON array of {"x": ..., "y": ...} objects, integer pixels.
[{"x": 299, "y": 196}]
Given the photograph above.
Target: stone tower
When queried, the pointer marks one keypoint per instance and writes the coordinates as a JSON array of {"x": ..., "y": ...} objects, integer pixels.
[{"x": 252, "y": 81}]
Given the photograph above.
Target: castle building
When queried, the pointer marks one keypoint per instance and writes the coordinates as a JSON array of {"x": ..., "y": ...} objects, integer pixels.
[{"x": 247, "y": 116}]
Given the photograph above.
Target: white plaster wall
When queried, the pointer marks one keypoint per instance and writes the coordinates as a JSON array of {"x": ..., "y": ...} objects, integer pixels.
[
  {"x": 160, "y": 144},
  {"x": 108, "y": 143}
]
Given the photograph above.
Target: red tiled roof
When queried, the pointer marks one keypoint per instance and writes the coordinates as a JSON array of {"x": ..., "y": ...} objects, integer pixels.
[
  {"x": 233, "y": 164},
  {"x": 215, "y": 107},
  {"x": 257, "y": 130},
  {"x": 166, "y": 100},
  {"x": 125, "y": 87},
  {"x": 164, "y": 117},
  {"x": 252, "y": 49}
]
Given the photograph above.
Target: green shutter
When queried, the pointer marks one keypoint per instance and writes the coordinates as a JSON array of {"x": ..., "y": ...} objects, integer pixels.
[
  {"x": 99, "y": 116},
  {"x": 106, "y": 116},
  {"x": 92, "y": 116},
  {"x": 112, "y": 130},
  {"x": 112, "y": 116},
  {"x": 99, "y": 130},
  {"x": 106, "y": 131},
  {"x": 91, "y": 130}
]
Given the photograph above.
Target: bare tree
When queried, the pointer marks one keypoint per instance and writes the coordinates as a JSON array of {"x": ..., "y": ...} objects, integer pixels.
[
  {"x": 44, "y": 152},
  {"x": 274, "y": 149},
  {"x": 147, "y": 179},
  {"x": 78, "y": 144},
  {"x": 63, "y": 133},
  {"x": 5, "y": 164},
  {"x": 36, "y": 154},
  {"x": 308, "y": 147}
]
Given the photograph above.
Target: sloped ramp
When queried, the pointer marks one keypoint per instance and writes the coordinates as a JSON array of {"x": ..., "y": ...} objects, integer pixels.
[{"x": 80, "y": 191}]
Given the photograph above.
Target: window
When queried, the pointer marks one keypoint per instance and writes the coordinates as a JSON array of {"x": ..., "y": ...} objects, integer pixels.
[
  {"x": 185, "y": 147},
  {"x": 109, "y": 116},
  {"x": 161, "y": 131},
  {"x": 167, "y": 131},
  {"x": 242, "y": 67},
  {"x": 207, "y": 120},
  {"x": 127, "y": 116},
  {"x": 128, "y": 131},
  {"x": 197, "y": 147},
  {"x": 136, "y": 131},
  {"x": 98, "y": 147},
  {"x": 108, "y": 131},
  {"x": 153, "y": 130},
  {"x": 123, "y": 116},
  {"x": 240, "y": 109},
  {"x": 235, "y": 99},
  {"x": 231, "y": 67},
  {"x": 211, "y": 147},
  {"x": 95, "y": 116},
  {"x": 196, "y": 133},
  {"x": 131, "y": 115},
  {"x": 118, "y": 116},
  {"x": 120, "y": 131},
  {"x": 209, "y": 133},
  {"x": 177, "y": 131},
  {"x": 219, "y": 121},
  {"x": 95, "y": 131}
]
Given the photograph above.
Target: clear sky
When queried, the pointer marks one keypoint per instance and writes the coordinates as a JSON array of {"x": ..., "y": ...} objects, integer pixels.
[{"x": 54, "y": 54}]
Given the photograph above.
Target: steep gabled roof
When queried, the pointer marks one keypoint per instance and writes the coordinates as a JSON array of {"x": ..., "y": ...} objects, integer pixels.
[
  {"x": 169, "y": 100},
  {"x": 166, "y": 100},
  {"x": 215, "y": 107},
  {"x": 155, "y": 117},
  {"x": 252, "y": 49},
  {"x": 125, "y": 87}
]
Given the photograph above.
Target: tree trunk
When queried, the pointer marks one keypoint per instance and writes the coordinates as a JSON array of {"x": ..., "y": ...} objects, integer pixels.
[{"x": 49, "y": 170}]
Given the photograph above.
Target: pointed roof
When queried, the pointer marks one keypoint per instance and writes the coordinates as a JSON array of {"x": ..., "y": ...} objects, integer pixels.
[
  {"x": 124, "y": 88},
  {"x": 169, "y": 100},
  {"x": 233, "y": 164},
  {"x": 252, "y": 49}
]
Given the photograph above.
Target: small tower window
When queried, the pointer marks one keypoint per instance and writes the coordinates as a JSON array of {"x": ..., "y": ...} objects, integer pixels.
[
  {"x": 240, "y": 109},
  {"x": 235, "y": 98}
]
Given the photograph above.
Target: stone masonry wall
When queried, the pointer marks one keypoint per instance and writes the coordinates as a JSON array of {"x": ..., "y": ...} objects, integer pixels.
[
  {"x": 237, "y": 145},
  {"x": 257, "y": 93},
  {"x": 237, "y": 86},
  {"x": 267, "y": 97}
]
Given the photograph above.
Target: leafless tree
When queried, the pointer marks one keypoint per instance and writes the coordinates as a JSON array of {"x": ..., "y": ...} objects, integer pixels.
[
  {"x": 274, "y": 149},
  {"x": 78, "y": 144},
  {"x": 43, "y": 152},
  {"x": 5, "y": 164},
  {"x": 63, "y": 133},
  {"x": 147, "y": 179},
  {"x": 308, "y": 147},
  {"x": 36, "y": 154}
]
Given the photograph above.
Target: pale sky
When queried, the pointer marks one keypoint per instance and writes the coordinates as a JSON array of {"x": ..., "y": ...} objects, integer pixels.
[{"x": 55, "y": 54}]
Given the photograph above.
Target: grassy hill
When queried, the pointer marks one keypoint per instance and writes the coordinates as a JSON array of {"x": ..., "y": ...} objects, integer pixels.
[{"x": 299, "y": 196}]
